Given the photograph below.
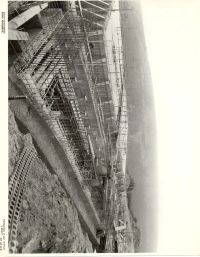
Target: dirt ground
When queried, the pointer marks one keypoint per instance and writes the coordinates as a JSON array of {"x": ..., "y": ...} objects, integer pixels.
[{"x": 48, "y": 221}]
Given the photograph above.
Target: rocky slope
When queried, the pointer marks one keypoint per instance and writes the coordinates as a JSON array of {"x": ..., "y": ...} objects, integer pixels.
[{"x": 48, "y": 220}]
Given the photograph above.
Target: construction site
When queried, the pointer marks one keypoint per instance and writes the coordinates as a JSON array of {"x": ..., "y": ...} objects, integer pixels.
[{"x": 67, "y": 128}]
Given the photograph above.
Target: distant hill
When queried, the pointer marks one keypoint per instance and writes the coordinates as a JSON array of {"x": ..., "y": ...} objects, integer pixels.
[{"x": 141, "y": 156}]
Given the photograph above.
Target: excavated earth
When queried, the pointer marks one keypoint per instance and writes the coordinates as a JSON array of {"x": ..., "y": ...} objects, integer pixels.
[{"x": 48, "y": 222}]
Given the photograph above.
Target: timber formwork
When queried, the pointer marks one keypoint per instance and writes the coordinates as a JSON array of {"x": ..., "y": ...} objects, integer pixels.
[
  {"x": 70, "y": 46},
  {"x": 47, "y": 66}
]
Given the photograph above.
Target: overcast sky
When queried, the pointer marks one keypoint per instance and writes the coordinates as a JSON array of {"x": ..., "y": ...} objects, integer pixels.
[{"x": 173, "y": 42}]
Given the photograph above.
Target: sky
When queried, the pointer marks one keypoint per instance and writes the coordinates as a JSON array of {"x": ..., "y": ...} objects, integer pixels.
[{"x": 173, "y": 44}]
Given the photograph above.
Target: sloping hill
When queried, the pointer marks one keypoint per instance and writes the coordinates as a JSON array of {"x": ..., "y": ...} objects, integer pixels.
[{"x": 141, "y": 125}]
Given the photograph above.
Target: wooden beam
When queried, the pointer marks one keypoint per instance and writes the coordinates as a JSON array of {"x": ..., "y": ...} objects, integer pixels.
[
  {"x": 93, "y": 13},
  {"x": 96, "y": 41},
  {"x": 86, "y": 10},
  {"x": 20, "y": 19},
  {"x": 106, "y": 83},
  {"x": 103, "y": 2},
  {"x": 17, "y": 35},
  {"x": 100, "y": 60},
  {"x": 96, "y": 23},
  {"x": 94, "y": 5},
  {"x": 95, "y": 33}
]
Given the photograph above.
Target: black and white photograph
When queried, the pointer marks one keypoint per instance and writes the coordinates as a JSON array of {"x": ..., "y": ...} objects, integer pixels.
[{"x": 103, "y": 127}]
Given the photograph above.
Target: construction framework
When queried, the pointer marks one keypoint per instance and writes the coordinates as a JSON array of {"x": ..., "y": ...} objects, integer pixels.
[{"x": 65, "y": 72}]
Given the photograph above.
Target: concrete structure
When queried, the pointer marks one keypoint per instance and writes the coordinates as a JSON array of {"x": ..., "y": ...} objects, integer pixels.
[{"x": 58, "y": 60}]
